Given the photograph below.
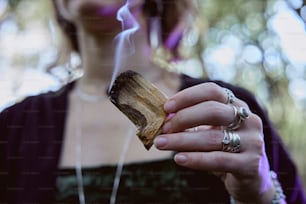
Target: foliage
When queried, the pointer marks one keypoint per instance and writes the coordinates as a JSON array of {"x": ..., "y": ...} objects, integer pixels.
[
  {"x": 239, "y": 34},
  {"x": 245, "y": 26},
  {"x": 13, "y": 3}
]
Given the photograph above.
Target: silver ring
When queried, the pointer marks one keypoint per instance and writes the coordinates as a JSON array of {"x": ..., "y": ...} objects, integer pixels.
[
  {"x": 230, "y": 96},
  {"x": 231, "y": 141},
  {"x": 240, "y": 114}
]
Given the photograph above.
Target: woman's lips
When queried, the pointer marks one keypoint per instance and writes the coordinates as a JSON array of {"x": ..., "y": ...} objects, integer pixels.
[
  {"x": 101, "y": 10},
  {"x": 108, "y": 10},
  {"x": 103, "y": 17}
]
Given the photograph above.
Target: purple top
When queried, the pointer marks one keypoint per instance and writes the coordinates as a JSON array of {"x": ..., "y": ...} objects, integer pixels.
[{"x": 32, "y": 136}]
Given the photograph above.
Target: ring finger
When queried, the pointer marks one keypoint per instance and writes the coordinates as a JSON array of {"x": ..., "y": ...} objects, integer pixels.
[
  {"x": 206, "y": 113},
  {"x": 200, "y": 141}
]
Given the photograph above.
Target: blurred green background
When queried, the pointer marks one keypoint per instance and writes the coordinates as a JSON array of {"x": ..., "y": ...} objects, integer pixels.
[{"x": 259, "y": 44}]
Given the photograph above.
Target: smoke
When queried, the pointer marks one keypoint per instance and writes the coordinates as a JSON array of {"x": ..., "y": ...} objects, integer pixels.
[{"x": 124, "y": 45}]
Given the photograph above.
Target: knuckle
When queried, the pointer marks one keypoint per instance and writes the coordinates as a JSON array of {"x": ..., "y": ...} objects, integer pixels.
[
  {"x": 244, "y": 104},
  {"x": 256, "y": 122},
  {"x": 253, "y": 165},
  {"x": 180, "y": 139},
  {"x": 212, "y": 86},
  {"x": 258, "y": 144},
  {"x": 215, "y": 89},
  {"x": 214, "y": 109},
  {"x": 255, "y": 161}
]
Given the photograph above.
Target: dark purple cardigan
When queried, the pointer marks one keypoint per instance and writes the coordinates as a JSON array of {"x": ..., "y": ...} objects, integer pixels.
[{"x": 31, "y": 134}]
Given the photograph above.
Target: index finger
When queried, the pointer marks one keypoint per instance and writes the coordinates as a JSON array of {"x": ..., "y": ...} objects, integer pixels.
[{"x": 194, "y": 95}]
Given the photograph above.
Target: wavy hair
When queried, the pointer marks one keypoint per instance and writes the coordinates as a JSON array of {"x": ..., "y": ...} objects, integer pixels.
[{"x": 170, "y": 15}]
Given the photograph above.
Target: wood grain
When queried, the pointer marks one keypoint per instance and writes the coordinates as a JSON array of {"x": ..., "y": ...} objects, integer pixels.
[{"x": 142, "y": 102}]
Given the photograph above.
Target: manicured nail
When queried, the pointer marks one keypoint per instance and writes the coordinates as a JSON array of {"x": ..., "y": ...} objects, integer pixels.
[
  {"x": 171, "y": 115},
  {"x": 180, "y": 158},
  {"x": 160, "y": 142},
  {"x": 169, "y": 106}
]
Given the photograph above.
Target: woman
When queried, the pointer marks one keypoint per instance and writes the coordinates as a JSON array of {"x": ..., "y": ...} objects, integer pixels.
[{"x": 64, "y": 146}]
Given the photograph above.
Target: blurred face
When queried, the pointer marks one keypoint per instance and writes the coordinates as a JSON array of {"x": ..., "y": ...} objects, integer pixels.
[{"x": 94, "y": 15}]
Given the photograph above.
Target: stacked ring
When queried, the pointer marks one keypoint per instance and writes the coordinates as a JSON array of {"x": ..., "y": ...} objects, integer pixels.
[
  {"x": 230, "y": 96},
  {"x": 231, "y": 141},
  {"x": 241, "y": 114}
]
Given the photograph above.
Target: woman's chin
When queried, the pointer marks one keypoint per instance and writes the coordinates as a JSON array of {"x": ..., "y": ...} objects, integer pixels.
[
  {"x": 102, "y": 30},
  {"x": 97, "y": 17}
]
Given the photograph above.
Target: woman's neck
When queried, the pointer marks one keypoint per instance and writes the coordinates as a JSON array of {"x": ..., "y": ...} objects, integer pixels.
[{"x": 98, "y": 55}]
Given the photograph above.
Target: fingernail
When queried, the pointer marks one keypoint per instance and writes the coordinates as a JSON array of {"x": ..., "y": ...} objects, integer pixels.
[
  {"x": 171, "y": 115},
  {"x": 166, "y": 127},
  {"x": 180, "y": 158},
  {"x": 160, "y": 142},
  {"x": 169, "y": 106}
]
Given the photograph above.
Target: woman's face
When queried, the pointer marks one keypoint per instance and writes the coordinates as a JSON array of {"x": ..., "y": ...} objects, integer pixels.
[{"x": 95, "y": 15}]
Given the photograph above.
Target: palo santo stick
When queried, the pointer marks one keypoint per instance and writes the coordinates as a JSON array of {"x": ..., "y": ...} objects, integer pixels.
[{"x": 141, "y": 102}]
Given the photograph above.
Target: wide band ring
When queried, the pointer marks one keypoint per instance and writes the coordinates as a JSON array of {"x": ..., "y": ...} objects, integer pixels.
[
  {"x": 240, "y": 114},
  {"x": 231, "y": 141},
  {"x": 230, "y": 96}
]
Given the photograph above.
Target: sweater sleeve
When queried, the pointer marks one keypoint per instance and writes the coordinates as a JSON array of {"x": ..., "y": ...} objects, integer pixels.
[
  {"x": 279, "y": 158},
  {"x": 31, "y": 134},
  {"x": 3, "y": 157},
  {"x": 12, "y": 123}
]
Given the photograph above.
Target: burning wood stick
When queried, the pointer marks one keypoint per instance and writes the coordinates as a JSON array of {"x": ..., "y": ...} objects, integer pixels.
[{"x": 141, "y": 102}]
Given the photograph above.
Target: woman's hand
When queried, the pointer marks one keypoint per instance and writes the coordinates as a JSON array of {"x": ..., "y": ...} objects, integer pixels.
[{"x": 197, "y": 128}]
